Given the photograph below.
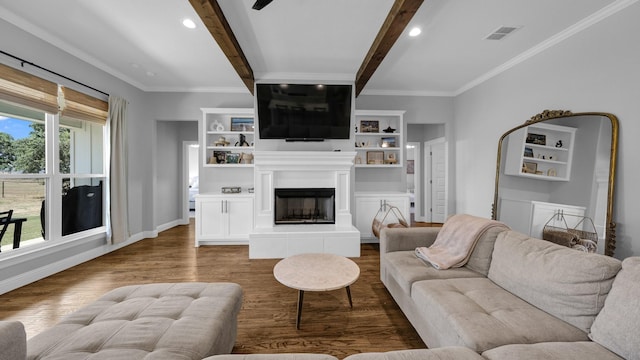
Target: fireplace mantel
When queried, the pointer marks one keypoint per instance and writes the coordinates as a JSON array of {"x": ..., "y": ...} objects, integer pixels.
[
  {"x": 302, "y": 169},
  {"x": 314, "y": 160}
]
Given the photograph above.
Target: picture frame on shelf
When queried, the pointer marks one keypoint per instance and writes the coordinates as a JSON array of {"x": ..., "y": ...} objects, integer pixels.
[
  {"x": 233, "y": 158},
  {"x": 391, "y": 159},
  {"x": 369, "y": 126},
  {"x": 529, "y": 167},
  {"x": 220, "y": 157},
  {"x": 375, "y": 157},
  {"x": 388, "y": 142},
  {"x": 536, "y": 139},
  {"x": 528, "y": 152},
  {"x": 242, "y": 124}
]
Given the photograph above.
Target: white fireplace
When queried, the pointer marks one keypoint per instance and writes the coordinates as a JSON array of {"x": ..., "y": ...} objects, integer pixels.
[{"x": 300, "y": 170}]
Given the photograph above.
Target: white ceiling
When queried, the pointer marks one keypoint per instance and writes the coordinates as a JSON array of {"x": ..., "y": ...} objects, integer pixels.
[{"x": 144, "y": 43}]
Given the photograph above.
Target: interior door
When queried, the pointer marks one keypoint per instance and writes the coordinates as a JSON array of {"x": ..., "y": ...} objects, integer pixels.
[{"x": 436, "y": 196}]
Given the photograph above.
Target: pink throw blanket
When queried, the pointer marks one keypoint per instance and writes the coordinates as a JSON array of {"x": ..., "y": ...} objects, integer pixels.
[{"x": 456, "y": 240}]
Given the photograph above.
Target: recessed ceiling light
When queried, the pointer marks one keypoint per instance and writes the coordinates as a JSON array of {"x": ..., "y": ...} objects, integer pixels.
[
  {"x": 188, "y": 23},
  {"x": 415, "y": 32}
]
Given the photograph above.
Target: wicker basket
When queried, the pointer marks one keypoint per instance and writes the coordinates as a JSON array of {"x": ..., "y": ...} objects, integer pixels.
[
  {"x": 557, "y": 230},
  {"x": 388, "y": 216}
]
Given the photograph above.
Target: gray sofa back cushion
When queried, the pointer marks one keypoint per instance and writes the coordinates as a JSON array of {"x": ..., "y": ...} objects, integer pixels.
[
  {"x": 617, "y": 327},
  {"x": 568, "y": 284},
  {"x": 480, "y": 258}
]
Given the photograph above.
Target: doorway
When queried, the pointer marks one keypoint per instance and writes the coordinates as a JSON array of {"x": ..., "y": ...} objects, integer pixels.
[
  {"x": 435, "y": 175},
  {"x": 414, "y": 180},
  {"x": 426, "y": 151},
  {"x": 190, "y": 179}
]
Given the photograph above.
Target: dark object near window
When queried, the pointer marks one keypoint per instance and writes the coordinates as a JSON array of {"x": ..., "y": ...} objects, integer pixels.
[{"x": 81, "y": 209}]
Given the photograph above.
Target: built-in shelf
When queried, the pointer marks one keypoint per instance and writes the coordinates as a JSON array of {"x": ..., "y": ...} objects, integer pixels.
[
  {"x": 374, "y": 146},
  {"x": 541, "y": 151},
  {"x": 229, "y": 135}
]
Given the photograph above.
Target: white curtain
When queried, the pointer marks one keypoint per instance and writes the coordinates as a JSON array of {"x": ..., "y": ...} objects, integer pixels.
[{"x": 117, "y": 214}]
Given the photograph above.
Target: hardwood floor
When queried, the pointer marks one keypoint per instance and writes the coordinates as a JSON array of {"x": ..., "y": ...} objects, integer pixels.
[{"x": 266, "y": 323}]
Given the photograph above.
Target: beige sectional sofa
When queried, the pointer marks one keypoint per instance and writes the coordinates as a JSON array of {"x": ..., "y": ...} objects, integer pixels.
[{"x": 516, "y": 298}]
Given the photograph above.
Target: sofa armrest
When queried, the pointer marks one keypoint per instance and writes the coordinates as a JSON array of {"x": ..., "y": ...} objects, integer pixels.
[
  {"x": 13, "y": 341},
  {"x": 401, "y": 239}
]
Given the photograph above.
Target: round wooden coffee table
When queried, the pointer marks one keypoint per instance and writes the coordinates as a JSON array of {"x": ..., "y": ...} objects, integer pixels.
[{"x": 316, "y": 272}]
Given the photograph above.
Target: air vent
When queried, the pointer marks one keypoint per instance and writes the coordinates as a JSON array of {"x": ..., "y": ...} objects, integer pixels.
[{"x": 501, "y": 32}]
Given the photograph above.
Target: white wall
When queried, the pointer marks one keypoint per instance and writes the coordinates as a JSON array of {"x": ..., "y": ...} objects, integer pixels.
[{"x": 594, "y": 70}]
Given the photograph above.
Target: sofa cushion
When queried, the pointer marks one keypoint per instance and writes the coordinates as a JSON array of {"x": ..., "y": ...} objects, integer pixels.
[
  {"x": 579, "y": 350},
  {"x": 617, "y": 327},
  {"x": 448, "y": 353},
  {"x": 13, "y": 341},
  {"x": 571, "y": 285},
  {"x": 478, "y": 314},
  {"x": 272, "y": 357},
  {"x": 480, "y": 258},
  {"x": 406, "y": 268},
  {"x": 152, "y": 321}
]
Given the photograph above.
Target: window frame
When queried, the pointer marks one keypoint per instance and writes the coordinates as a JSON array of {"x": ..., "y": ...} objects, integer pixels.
[{"x": 53, "y": 178}]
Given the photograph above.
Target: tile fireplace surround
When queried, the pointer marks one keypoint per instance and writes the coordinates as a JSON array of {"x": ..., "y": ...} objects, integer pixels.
[{"x": 303, "y": 169}]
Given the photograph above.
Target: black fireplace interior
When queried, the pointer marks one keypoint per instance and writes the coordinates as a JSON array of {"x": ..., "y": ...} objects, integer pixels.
[{"x": 305, "y": 206}]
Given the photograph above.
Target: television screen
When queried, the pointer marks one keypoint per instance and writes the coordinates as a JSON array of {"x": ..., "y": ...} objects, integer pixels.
[{"x": 303, "y": 112}]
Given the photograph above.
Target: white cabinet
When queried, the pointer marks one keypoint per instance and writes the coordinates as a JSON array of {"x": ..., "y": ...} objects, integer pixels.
[
  {"x": 368, "y": 204},
  {"x": 228, "y": 137},
  {"x": 541, "y": 151},
  {"x": 223, "y": 219},
  {"x": 379, "y": 140}
]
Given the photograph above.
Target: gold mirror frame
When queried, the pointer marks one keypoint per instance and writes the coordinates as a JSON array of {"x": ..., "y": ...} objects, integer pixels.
[{"x": 610, "y": 237}]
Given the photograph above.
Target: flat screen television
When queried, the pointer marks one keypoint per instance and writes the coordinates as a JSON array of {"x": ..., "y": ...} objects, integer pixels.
[{"x": 303, "y": 112}]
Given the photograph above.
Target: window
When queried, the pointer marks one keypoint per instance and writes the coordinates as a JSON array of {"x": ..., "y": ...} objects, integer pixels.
[{"x": 52, "y": 165}]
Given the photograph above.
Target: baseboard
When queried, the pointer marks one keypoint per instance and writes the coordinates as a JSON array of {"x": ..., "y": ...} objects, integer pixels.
[{"x": 47, "y": 270}]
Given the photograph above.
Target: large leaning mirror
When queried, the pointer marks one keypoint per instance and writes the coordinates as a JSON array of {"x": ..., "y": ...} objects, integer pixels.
[{"x": 557, "y": 171}]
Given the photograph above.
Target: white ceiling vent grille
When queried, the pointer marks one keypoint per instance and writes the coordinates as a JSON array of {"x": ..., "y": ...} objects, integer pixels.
[{"x": 501, "y": 32}]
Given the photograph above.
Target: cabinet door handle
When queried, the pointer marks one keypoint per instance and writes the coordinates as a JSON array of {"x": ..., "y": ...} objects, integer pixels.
[
  {"x": 222, "y": 206},
  {"x": 226, "y": 206}
]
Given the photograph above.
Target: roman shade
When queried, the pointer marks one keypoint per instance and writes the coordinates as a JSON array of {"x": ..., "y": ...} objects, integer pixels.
[
  {"x": 77, "y": 105},
  {"x": 28, "y": 90}
]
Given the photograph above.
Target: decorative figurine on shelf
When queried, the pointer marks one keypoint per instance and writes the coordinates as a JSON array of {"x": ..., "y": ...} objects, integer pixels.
[
  {"x": 246, "y": 158},
  {"x": 242, "y": 141},
  {"x": 216, "y": 126},
  {"x": 222, "y": 141},
  {"x": 559, "y": 144},
  {"x": 389, "y": 129}
]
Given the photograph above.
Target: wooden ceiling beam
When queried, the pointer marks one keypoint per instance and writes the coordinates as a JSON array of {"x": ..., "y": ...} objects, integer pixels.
[
  {"x": 397, "y": 20},
  {"x": 213, "y": 18}
]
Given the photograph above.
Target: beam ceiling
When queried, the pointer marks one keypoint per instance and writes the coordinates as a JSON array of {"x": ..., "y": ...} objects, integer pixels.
[
  {"x": 213, "y": 18},
  {"x": 398, "y": 18}
]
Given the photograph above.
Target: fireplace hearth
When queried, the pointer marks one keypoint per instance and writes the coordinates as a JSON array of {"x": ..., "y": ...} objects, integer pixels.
[{"x": 304, "y": 206}]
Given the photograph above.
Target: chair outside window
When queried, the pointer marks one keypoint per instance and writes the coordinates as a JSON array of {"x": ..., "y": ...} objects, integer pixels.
[{"x": 5, "y": 219}]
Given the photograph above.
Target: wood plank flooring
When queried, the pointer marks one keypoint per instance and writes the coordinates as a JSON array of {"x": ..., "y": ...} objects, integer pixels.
[{"x": 266, "y": 323}]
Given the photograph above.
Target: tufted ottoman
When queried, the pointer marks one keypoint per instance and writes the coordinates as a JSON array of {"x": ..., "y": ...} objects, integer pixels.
[{"x": 153, "y": 321}]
